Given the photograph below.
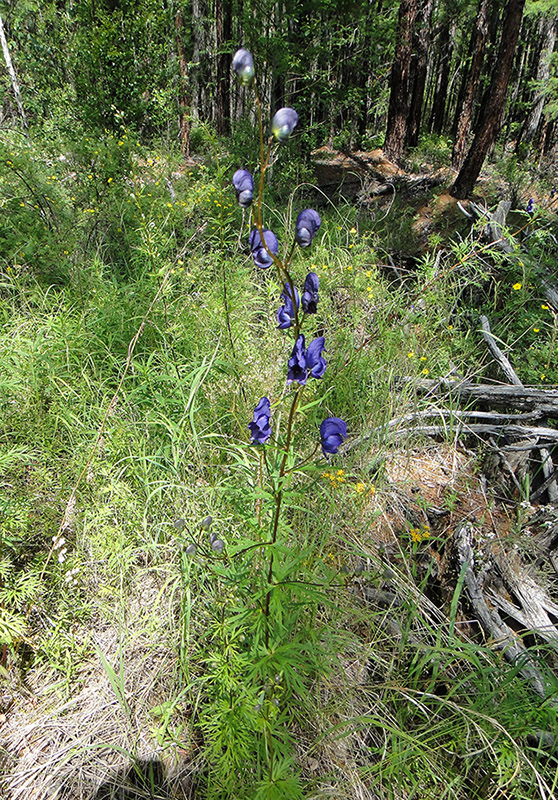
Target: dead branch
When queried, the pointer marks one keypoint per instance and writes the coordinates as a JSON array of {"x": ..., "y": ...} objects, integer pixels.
[
  {"x": 501, "y": 635},
  {"x": 500, "y": 396},
  {"x": 502, "y": 360}
]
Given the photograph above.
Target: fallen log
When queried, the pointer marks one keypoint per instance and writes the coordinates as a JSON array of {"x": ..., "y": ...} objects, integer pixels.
[
  {"x": 495, "y": 395},
  {"x": 500, "y": 635}
]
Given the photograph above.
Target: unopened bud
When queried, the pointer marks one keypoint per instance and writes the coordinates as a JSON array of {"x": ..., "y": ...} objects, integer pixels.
[
  {"x": 218, "y": 545},
  {"x": 191, "y": 550},
  {"x": 206, "y": 523}
]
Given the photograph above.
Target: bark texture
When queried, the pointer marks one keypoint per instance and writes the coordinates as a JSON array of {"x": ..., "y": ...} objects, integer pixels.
[
  {"x": 491, "y": 121},
  {"x": 465, "y": 113},
  {"x": 398, "y": 112}
]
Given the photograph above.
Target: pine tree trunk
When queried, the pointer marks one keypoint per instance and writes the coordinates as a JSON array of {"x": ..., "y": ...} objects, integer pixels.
[
  {"x": 399, "y": 85},
  {"x": 439, "y": 105},
  {"x": 490, "y": 126},
  {"x": 419, "y": 69},
  {"x": 479, "y": 38},
  {"x": 12, "y": 73},
  {"x": 548, "y": 40},
  {"x": 222, "y": 36}
]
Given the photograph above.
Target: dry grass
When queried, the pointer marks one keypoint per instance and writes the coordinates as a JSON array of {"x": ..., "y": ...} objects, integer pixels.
[{"x": 78, "y": 744}]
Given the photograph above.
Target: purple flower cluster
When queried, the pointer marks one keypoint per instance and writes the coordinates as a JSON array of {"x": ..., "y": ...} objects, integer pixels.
[
  {"x": 260, "y": 427},
  {"x": 310, "y": 297},
  {"x": 304, "y": 364}
]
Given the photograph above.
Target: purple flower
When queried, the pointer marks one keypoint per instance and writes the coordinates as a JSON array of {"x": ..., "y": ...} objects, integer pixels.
[
  {"x": 260, "y": 427},
  {"x": 304, "y": 364},
  {"x": 259, "y": 253},
  {"x": 283, "y": 124},
  {"x": 244, "y": 187},
  {"x": 297, "y": 363},
  {"x": 531, "y": 206},
  {"x": 310, "y": 294},
  {"x": 315, "y": 362},
  {"x": 243, "y": 65},
  {"x": 332, "y": 432},
  {"x": 286, "y": 315},
  {"x": 307, "y": 224}
]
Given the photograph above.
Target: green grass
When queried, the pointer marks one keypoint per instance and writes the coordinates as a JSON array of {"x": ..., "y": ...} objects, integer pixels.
[{"x": 432, "y": 713}]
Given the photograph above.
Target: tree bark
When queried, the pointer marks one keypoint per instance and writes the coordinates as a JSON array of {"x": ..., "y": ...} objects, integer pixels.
[
  {"x": 419, "y": 69},
  {"x": 439, "y": 103},
  {"x": 465, "y": 115},
  {"x": 548, "y": 40},
  {"x": 490, "y": 125},
  {"x": 399, "y": 84},
  {"x": 12, "y": 73},
  {"x": 223, "y": 35}
]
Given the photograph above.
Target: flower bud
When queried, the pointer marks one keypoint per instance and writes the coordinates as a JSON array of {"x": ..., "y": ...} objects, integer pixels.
[
  {"x": 244, "y": 187},
  {"x": 179, "y": 524},
  {"x": 218, "y": 545},
  {"x": 260, "y": 253},
  {"x": 283, "y": 124},
  {"x": 307, "y": 224},
  {"x": 243, "y": 65},
  {"x": 191, "y": 550},
  {"x": 206, "y": 523}
]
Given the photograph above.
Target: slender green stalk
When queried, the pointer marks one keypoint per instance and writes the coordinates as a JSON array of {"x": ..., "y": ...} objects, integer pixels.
[{"x": 278, "y": 500}]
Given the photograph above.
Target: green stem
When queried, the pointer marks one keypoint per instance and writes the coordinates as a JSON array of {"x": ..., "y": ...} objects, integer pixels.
[{"x": 278, "y": 500}]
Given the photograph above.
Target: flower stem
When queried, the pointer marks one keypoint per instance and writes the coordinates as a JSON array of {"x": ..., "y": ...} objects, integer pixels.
[{"x": 278, "y": 500}]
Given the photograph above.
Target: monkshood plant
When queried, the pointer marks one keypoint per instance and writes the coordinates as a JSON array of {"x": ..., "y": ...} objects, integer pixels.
[{"x": 267, "y": 646}]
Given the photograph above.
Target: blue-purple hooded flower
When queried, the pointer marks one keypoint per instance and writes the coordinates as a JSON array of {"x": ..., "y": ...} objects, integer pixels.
[
  {"x": 531, "y": 206},
  {"x": 243, "y": 65},
  {"x": 310, "y": 294},
  {"x": 244, "y": 187},
  {"x": 286, "y": 314},
  {"x": 332, "y": 433},
  {"x": 283, "y": 124},
  {"x": 260, "y": 255},
  {"x": 315, "y": 362},
  {"x": 297, "y": 370},
  {"x": 260, "y": 427},
  {"x": 307, "y": 224}
]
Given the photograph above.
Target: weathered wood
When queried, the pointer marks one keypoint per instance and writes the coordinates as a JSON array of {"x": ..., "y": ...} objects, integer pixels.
[
  {"x": 501, "y": 636},
  {"x": 12, "y": 73},
  {"x": 502, "y": 359},
  {"x": 549, "y": 473},
  {"x": 529, "y": 398}
]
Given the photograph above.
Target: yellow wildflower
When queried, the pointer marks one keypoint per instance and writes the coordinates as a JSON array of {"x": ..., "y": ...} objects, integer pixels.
[{"x": 517, "y": 286}]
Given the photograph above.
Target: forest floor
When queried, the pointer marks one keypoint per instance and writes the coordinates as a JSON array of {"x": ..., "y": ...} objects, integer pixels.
[{"x": 434, "y": 522}]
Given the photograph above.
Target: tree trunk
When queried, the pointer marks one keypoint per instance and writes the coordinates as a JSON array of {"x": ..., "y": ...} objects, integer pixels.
[
  {"x": 222, "y": 36},
  {"x": 419, "y": 69},
  {"x": 490, "y": 126},
  {"x": 548, "y": 40},
  {"x": 479, "y": 37},
  {"x": 399, "y": 84},
  {"x": 12, "y": 73},
  {"x": 439, "y": 103}
]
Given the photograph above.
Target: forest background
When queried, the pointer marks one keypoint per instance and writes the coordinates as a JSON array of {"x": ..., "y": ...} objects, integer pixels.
[{"x": 399, "y": 640}]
